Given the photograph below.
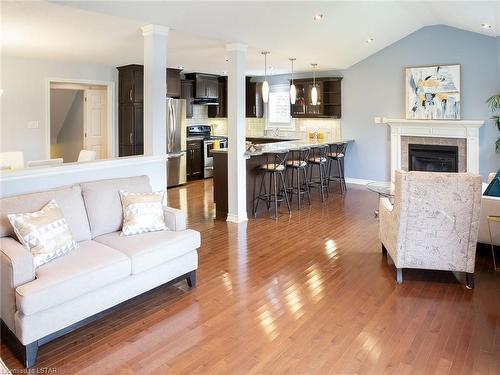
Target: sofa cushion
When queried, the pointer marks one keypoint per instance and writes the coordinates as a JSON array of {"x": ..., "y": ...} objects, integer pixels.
[
  {"x": 148, "y": 250},
  {"x": 69, "y": 199},
  {"x": 91, "y": 266},
  {"x": 103, "y": 203}
]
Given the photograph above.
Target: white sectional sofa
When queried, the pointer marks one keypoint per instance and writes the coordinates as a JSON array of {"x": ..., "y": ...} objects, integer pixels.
[
  {"x": 39, "y": 305},
  {"x": 489, "y": 206}
]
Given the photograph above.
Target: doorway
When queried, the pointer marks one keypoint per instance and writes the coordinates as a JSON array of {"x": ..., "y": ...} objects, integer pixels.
[{"x": 78, "y": 120}]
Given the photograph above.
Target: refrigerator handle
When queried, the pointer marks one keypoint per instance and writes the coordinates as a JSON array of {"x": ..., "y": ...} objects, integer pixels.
[{"x": 171, "y": 127}]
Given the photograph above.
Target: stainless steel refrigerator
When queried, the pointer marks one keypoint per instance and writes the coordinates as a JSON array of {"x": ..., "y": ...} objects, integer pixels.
[{"x": 176, "y": 142}]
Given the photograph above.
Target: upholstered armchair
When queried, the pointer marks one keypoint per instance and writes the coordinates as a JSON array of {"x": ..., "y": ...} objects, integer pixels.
[
  {"x": 489, "y": 206},
  {"x": 433, "y": 223}
]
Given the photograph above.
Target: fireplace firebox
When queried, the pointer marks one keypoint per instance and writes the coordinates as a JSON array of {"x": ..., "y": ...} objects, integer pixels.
[{"x": 432, "y": 158}]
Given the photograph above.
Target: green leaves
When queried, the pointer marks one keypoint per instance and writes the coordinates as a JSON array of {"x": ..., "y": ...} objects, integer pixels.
[{"x": 494, "y": 102}]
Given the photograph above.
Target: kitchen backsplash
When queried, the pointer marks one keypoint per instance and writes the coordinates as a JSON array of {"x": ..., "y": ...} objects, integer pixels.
[{"x": 256, "y": 127}]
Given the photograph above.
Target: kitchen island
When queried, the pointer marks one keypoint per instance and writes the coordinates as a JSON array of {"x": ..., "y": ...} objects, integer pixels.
[{"x": 253, "y": 160}]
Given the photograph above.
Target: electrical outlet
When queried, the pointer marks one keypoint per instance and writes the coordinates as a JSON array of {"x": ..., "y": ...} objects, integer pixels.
[
  {"x": 33, "y": 125},
  {"x": 378, "y": 120}
]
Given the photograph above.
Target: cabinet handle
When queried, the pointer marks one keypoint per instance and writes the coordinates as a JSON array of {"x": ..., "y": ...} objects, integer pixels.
[
  {"x": 254, "y": 109},
  {"x": 130, "y": 94},
  {"x": 130, "y": 138}
]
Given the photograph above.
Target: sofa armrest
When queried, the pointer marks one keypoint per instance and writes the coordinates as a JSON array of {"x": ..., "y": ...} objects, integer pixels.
[
  {"x": 174, "y": 219},
  {"x": 16, "y": 268}
]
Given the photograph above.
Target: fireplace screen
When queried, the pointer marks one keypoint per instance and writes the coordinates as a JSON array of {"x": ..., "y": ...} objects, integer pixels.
[{"x": 432, "y": 158}]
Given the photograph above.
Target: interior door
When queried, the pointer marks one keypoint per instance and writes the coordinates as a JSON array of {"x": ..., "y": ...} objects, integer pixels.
[{"x": 95, "y": 126}]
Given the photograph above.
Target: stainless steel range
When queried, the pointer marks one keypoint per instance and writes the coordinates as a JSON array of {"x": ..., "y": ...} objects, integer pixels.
[{"x": 209, "y": 142}]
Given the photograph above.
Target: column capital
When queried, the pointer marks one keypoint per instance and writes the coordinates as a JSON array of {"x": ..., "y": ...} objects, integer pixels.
[
  {"x": 236, "y": 47},
  {"x": 152, "y": 29}
]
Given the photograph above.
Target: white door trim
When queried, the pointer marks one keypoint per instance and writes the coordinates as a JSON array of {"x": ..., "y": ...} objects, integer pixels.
[{"x": 112, "y": 126}]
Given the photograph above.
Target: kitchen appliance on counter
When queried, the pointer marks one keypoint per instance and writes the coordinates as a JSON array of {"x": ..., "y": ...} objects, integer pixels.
[
  {"x": 176, "y": 142},
  {"x": 210, "y": 142}
]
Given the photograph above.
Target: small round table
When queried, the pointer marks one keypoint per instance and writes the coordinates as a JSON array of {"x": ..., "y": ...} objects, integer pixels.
[{"x": 383, "y": 189}]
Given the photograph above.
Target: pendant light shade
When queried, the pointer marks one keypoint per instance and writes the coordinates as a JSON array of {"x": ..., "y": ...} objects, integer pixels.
[
  {"x": 265, "y": 91},
  {"x": 314, "y": 96},
  {"x": 293, "y": 89},
  {"x": 293, "y": 94},
  {"x": 265, "y": 85},
  {"x": 314, "y": 90}
]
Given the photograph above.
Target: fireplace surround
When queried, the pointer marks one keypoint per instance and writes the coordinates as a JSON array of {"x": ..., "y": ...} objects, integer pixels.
[{"x": 465, "y": 131}]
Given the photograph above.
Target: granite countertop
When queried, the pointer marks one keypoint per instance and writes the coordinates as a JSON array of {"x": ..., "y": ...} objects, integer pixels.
[{"x": 289, "y": 145}]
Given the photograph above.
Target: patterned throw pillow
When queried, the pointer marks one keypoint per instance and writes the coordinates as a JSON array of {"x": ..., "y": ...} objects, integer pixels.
[
  {"x": 45, "y": 233},
  {"x": 142, "y": 212},
  {"x": 493, "y": 189}
]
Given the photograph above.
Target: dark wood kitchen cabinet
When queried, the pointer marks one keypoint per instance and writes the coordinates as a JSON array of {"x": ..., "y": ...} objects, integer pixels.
[
  {"x": 254, "y": 103},
  {"x": 329, "y": 98},
  {"x": 220, "y": 110},
  {"x": 130, "y": 111},
  {"x": 206, "y": 86},
  {"x": 194, "y": 162},
  {"x": 187, "y": 94}
]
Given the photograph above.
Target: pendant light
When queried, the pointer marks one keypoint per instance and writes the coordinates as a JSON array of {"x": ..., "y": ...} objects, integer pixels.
[
  {"x": 265, "y": 85},
  {"x": 314, "y": 91},
  {"x": 293, "y": 90}
]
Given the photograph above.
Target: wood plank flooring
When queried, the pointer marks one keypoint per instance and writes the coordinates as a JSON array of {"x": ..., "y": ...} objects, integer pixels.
[{"x": 307, "y": 294}]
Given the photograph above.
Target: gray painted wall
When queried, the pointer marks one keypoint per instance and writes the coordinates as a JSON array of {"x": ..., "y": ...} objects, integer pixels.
[{"x": 375, "y": 87}]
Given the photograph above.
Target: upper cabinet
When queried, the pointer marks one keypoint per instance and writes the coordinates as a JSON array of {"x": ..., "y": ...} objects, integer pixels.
[
  {"x": 220, "y": 110},
  {"x": 206, "y": 86},
  {"x": 130, "y": 79},
  {"x": 187, "y": 94},
  {"x": 174, "y": 83},
  {"x": 254, "y": 102},
  {"x": 329, "y": 98}
]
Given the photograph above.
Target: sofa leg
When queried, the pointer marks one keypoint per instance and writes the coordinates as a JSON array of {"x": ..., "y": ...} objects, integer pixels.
[
  {"x": 384, "y": 250},
  {"x": 399, "y": 275},
  {"x": 191, "y": 279},
  {"x": 30, "y": 353},
  {"x": 469, "y": 280}
]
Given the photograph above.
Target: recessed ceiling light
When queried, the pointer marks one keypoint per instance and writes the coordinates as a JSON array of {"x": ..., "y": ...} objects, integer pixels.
[
  {"x": 180, "y": 67},
  {"x": 369, "y": 40},
  {"x": 486, "y": 26},
  {"x": 318, "y": 17}
]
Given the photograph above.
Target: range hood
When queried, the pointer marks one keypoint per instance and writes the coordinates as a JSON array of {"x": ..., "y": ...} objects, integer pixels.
[{"x": 206, "y": 101}]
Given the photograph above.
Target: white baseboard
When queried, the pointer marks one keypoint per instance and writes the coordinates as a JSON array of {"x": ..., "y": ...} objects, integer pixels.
[
  {"x": 237, "y": 219},
  {"x": 357, "y": 181}
]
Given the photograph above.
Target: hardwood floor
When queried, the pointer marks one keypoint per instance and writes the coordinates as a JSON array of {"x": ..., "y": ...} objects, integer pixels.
[{"x": 307, "y": 294}]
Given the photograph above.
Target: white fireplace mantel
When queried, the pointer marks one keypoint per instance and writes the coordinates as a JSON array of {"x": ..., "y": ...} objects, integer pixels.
[{"x": 467, "y": 129}]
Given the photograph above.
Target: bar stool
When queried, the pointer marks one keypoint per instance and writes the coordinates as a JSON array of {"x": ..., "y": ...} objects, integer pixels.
[
  {"x": 274, "y": 167},
  {"x": 336, "y": 156},
  {"x": 297, "y": 164},
  {"x": 318, "y": 156}
]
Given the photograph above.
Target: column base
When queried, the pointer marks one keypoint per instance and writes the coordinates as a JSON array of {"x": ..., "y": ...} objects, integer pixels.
[{"x": 237, "y": 218}]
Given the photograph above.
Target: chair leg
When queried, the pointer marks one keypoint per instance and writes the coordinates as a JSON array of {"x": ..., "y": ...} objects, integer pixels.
[
  {"x": 306, "y": 186},
  {"x": 257, "y": 200},
  {"x": 321, "y": 183},
  {"x": 399, "y": 275},
  {"x": 191, "y": 279},
  {"x": 285, "y": 193},
  {"x": 297, "y": 172},
  {"x": 275, "y": 182},
  {"x": 469, "y": 280}
]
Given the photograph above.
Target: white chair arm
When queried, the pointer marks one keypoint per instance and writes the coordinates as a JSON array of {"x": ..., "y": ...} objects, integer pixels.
[
  {"x": 16, "y": 268},
  {"x": 388, "y": 223},
  {"x": 174, "y": 219}
]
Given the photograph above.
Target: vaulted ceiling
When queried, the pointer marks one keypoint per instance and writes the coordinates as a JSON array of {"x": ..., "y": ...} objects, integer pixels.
[{"x": 108, "y": 32}]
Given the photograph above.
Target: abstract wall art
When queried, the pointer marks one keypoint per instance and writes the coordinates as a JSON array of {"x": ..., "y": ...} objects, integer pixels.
[{"x": 433, "y": 92}]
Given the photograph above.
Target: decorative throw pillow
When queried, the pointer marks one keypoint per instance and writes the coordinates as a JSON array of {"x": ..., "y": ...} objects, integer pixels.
[
  {"x": 493, "y": 189},
  {"x": 142, "y": 212},
  {"x": 44, "y": 233}
]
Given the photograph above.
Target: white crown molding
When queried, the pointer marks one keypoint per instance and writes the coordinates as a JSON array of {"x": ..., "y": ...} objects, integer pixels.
[
  {"x": 236, "y": 47},
  {"x": 154, "y": 30}
]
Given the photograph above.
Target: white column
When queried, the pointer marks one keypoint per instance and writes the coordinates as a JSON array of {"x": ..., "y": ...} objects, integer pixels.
[
  {"x": 155, "y": 89},
  {"x": 236, "y": 162}
]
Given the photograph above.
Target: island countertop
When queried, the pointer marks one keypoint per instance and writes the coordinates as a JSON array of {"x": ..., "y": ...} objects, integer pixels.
[{"x": 289, "y": 145}]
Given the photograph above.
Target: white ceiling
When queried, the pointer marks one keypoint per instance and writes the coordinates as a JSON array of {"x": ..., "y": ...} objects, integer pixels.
[{"x": 108, "y": 32}]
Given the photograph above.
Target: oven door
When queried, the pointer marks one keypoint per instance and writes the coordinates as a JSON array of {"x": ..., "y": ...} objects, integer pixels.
[{"x": 208, "y": 160}]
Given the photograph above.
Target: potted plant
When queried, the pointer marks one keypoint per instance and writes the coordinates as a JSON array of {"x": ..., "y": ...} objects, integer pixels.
[{"x": 494, "y": 103}]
